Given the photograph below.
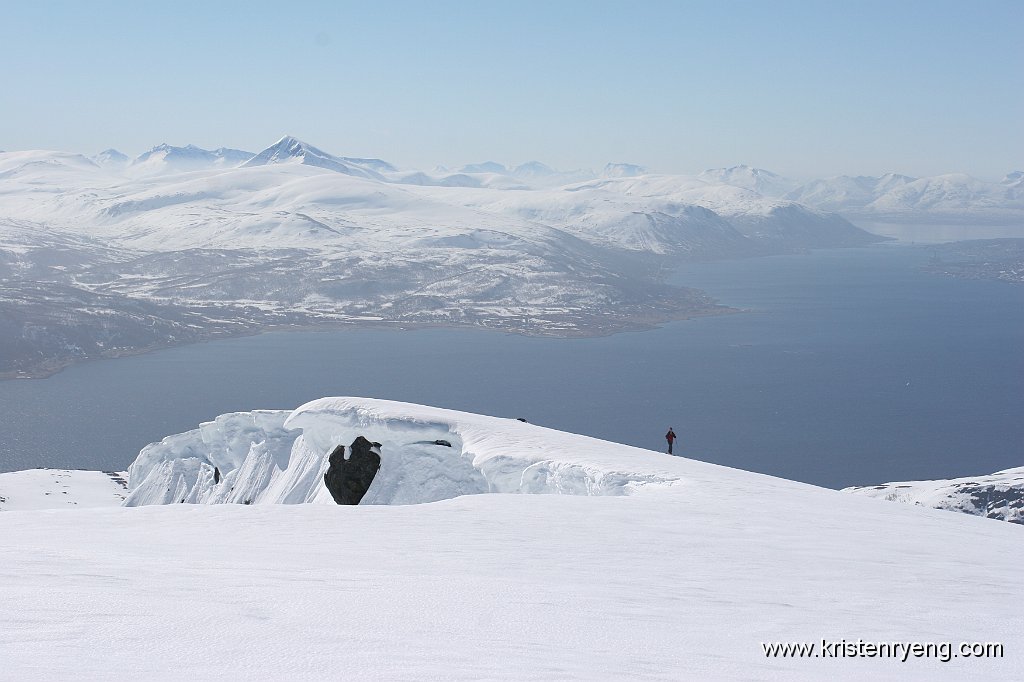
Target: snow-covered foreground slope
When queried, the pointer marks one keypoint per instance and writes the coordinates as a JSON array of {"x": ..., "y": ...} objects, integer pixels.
[
  {"x": 683, "y": 578},
  {"x": 61, "y": 489},
  {"x": 996, "y": 496}
]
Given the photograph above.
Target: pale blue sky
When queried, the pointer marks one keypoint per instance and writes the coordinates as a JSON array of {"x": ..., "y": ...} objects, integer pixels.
[{"x": 802, "y": 88}]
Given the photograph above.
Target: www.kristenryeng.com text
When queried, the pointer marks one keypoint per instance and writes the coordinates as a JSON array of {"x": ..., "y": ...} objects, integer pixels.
[{"x": 901, "y": 651}]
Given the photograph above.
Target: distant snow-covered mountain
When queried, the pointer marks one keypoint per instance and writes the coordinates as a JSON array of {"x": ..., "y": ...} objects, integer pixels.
[
  {"x": 622, "y": 170},
  {"x": 493, "y": 175},
  {"x": 942, "y": 194},
  {"x": 485, "y": 167},
  {"x": 758, "y": 180},
  {"x": 533, "y": 169},
  {"x": 290, "y": 150},
  {"x": 953, "y": 197},
  {"x": 541, "y": 175},
  {"x": 165, "y": 158},
  {"x": 846, "y": 193},
  {"x": 890, "y": 197},
  {"x": 111, "y": 157}
]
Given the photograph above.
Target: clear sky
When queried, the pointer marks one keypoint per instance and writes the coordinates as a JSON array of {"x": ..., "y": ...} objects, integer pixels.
[{"x": 802, "y": 88}]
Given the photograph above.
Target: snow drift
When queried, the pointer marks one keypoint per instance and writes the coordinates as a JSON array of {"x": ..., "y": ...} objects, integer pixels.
[{"x": 427, "y": 454}]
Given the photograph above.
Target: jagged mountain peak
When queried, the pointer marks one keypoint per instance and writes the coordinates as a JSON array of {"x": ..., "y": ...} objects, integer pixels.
[
  {"x": 294, "y": 145},
  {"x": 290, "y": 149}
]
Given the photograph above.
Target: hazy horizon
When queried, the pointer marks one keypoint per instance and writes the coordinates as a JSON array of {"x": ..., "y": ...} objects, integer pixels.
[{"x": 802, "y": 89}]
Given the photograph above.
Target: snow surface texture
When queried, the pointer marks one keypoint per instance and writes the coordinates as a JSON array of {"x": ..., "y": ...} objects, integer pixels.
[
  {"x": 682, "y": 580},
  {"x": 61, "y": 489},
  {"x": 280, "y": 457},
  {"x": 996, "y": 496}
]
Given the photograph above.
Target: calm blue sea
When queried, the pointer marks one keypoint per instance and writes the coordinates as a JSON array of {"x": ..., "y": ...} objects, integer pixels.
[{"x": 849, "y": 367}]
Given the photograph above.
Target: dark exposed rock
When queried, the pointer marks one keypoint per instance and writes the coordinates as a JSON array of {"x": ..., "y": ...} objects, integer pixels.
[
  {"x": 994, "y": 502},
  {"x": 349, "y": 479},
  {"x": 998, "y": 496},
  {"x": 117, "y": 478},
  {"x": 445, "y": 443}
]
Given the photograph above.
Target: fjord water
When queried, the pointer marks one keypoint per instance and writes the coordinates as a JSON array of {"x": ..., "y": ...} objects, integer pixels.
[{"x": 847, "y": 367}]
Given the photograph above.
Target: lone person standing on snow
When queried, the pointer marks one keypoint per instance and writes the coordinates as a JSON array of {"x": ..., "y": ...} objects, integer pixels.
[{"x": 670, "y": 437}]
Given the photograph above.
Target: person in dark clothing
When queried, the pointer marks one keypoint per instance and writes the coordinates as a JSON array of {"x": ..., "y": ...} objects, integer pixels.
[{"x": 670, "y": 437}]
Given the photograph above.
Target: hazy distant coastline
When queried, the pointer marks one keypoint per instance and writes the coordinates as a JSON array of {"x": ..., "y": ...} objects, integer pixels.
[{"x": 35, "y": 364}]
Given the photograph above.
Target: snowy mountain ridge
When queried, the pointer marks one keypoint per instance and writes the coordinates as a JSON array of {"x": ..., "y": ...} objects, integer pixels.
[
  {"x": 165, "y": 158},
  {"x": 995, "y": 496},
  {"x": 954, "y": 197},
  {"x": 762, "y": 181}
]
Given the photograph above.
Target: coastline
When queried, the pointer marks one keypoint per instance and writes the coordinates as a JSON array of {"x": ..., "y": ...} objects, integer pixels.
[{"x": 625, "y": 324}]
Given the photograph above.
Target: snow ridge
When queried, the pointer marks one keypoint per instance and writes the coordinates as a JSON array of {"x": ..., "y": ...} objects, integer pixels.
[{"x": 427, "y": 454}]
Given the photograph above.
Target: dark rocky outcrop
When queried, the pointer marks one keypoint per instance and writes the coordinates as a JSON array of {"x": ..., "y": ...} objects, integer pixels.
[
  {"x": 993, "y": 501},
  {"x": 349, "y": 479}
]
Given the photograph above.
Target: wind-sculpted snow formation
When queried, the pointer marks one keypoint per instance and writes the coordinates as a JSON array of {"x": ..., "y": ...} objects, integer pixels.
[
  {"x": 427, "y": 454},
  {"x": 995, "y": 496}
]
